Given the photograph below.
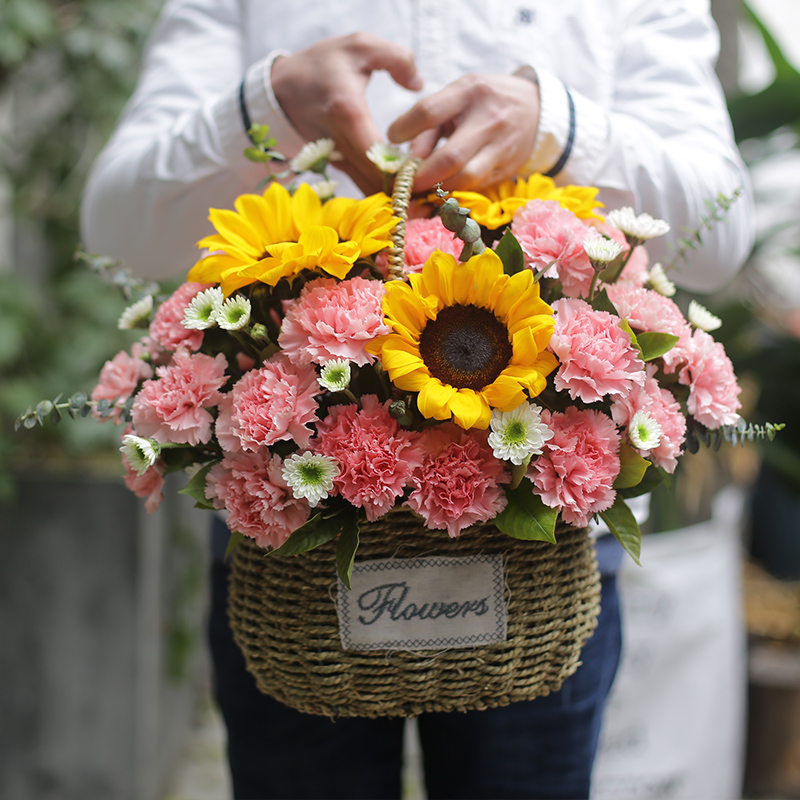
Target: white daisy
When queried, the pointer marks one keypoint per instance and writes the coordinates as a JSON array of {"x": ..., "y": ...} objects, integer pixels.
[
  {"x": 644, "y": 432},
  {"x": 136, "y": 315},
  {"x": 658, "y": 280},
  {"x": 314, "y": 156},
  {"x": 388, "y": 158},
  {"x": 324, "y": 189},
  {"x": 519, "y": 434},
  {"x": 335, "y": 375},
  {"x": 601, "y": 250},
  {"x": 201, "y": 313},
  {"x": 140, "y": 453},
  {"x": 234, "y": 313},
  {"x": 637, "y": 229},
  {"x": 310, "y": 475},
  {"x": 702, "y": 318}
]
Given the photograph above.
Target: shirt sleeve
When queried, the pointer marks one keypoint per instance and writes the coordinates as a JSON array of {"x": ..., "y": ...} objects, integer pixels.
[
  {"x": 178, "y": 148},
  {"x": 663, "y": 144}
]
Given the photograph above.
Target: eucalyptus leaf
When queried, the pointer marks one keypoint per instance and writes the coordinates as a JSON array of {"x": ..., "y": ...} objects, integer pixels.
[
  {"x": 623, "y": 525},
  {"x": 526, "y": 516},
  {"x": 654, "y": 344}
]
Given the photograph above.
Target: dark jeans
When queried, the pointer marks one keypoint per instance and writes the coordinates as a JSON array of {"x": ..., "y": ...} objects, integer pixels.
[{"x": 543, "y": 748}]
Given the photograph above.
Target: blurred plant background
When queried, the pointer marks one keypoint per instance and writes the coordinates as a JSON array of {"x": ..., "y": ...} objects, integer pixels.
[{"x": 66, "y": 69}]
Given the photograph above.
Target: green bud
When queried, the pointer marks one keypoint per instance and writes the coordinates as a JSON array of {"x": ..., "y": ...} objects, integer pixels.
[
  {"x": 397, "y": 409},
  {"x": 259, "y": 332}
]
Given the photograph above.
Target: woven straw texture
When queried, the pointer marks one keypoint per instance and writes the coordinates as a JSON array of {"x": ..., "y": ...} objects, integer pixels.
[{"x": 282, "y": 611}]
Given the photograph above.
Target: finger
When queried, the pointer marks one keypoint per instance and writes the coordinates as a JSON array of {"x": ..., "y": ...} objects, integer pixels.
[
  {"x": 377, "y": 53},
  {"x": 431, "y": 112},
  {"x": 452, "y": 158},
  {"x": 423, "y": 145}
]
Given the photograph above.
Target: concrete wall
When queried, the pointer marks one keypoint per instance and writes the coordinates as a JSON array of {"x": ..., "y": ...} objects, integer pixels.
[{"x": 98, "y": 602}]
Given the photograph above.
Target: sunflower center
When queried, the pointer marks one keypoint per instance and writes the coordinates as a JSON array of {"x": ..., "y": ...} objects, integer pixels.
[{"x": 465, "y": 346}]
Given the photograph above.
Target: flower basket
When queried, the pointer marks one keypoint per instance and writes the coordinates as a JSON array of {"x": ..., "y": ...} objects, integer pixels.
[
  {"x": 283, "y": 615},
  {"x": 402, "y": 428}
]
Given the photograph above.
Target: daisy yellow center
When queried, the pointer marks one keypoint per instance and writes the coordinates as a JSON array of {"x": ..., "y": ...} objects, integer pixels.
[{"x": 465, "y": 346}]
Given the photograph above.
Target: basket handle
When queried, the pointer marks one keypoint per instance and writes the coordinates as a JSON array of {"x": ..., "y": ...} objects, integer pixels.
[{"x": 401, "y": 196}]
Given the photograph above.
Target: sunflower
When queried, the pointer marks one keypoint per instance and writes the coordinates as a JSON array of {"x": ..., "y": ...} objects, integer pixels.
[
  {"x": 467, "y": 338},
  {"x": 275, "y": 235},
  {"x": 497, "y": 206}
]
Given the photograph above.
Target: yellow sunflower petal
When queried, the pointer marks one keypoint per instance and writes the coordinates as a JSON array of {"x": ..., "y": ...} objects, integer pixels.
[
  {"x": 399, "y": 362},
  {"x": 470, "y": 409},
  {"x": 306, "y": 208},
  {"x": 402, "y": 306},
  {"x": 505, "y": 392},
  {"x": 436, "y": 278},
  {"x": 434, "y": 399},
  {"x": 237, "y": 230}
]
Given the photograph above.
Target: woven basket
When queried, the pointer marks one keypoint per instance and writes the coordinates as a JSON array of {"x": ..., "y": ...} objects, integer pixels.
[{"x": 283, "y": 615}]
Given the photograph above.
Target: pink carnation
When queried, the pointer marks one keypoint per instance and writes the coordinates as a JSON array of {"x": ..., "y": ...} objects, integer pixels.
[
  {"x": 173, "y": 408},
  {"x": 120, "y": 376},
  {"x": 260, "y": 504},
  {"x": 167, "y": 325},
  {"x": 659, "y": 404},
  {"x": 596, "y": 355},
  {"x": 148, "y": 486},
  {"x": 268, "y": 405},
  {"x": 459, "y": 481},
  {"x": 423, "y": 236},
  {"x": 376, "y": 456},
  {"x": 647, "y": 310},
  {"x": 334, "y": 320},
  {"x": 713, "y": 390},
  {"x": 549, "y": 233},
  {"x": 579, "y": 464}
]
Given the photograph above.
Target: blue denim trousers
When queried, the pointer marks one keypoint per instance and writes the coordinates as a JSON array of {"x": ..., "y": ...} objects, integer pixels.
[{"x": 543, "y": 748}]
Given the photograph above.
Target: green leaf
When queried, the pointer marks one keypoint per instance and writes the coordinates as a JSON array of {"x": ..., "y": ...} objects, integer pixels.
[
  {"x": 347, "y": 547},
  {"x": 653, "y": 478},
  {"x": 654, "y": 344},
  {"x": 602, "y": 302},
  {"x": 233, "y": 540},
  {"x": 632, "y": 468},
  {"x": 623, "y": 525},
  {"x": 196, "y": 488},
  {"x": 316, "y": 531},
  {"x": 526, "y": 516},
  {"x": 510, "y": 252},
  {"x": 623, "y": 323}
]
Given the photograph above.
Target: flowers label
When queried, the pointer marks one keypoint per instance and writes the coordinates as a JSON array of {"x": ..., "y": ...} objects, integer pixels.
[{"x": 427, "y": 603}]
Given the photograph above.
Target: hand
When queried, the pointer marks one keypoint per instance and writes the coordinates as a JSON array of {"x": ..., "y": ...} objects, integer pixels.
[
  {"x": 322, "y": 91},
  {"x": 490, "y": 124}
]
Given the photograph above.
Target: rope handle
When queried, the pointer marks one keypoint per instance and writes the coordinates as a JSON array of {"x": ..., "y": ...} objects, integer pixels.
[{"x": 401, "y": 196}]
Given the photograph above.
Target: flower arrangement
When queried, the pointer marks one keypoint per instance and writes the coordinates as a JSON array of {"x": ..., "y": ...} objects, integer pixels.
[{"x": 528, "y": 365}]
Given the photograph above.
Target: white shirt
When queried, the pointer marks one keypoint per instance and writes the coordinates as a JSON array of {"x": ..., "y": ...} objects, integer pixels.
[{"x": 650, "y": 124}]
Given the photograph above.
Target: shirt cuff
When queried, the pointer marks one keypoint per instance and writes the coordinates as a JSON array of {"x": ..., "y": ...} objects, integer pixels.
[
  {"x": 552, "y": 133},
  {"x": 572, "y": 133},
  {"x": 265, "y": 109}
]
